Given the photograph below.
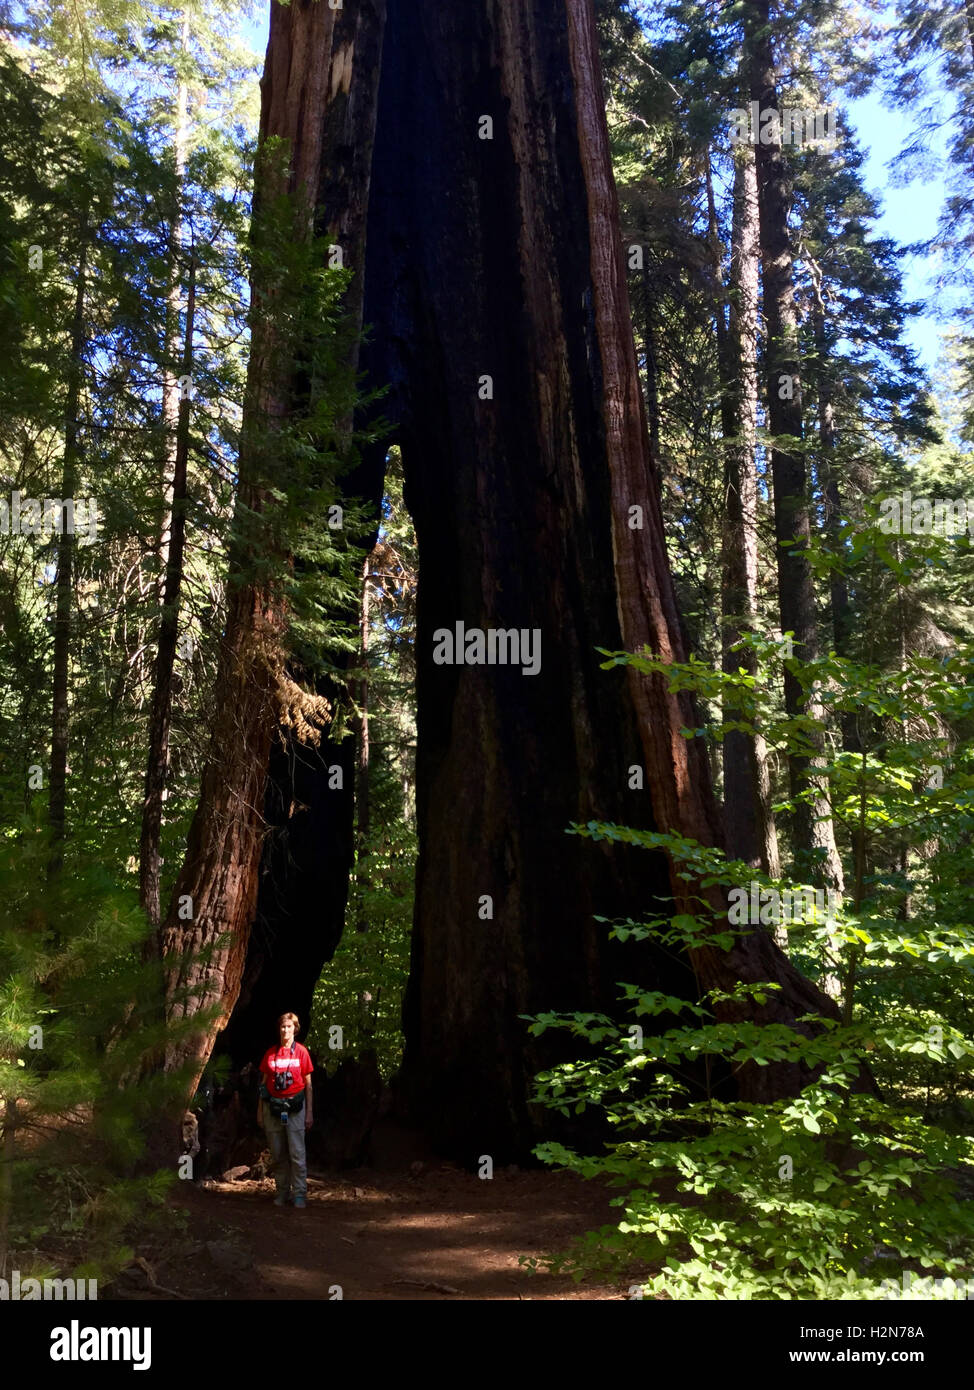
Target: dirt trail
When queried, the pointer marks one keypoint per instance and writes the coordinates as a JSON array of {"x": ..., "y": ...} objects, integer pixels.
[{"x": 433, "y": 1232}]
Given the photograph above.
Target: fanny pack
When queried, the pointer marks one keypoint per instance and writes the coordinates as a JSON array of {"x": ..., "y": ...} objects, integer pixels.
[
  {"x": 283, "y": 1105},
  {"x": 293, "y": 1105}
]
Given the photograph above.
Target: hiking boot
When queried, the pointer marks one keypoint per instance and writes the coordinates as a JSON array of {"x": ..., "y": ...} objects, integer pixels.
[
  {"x": 300, "y": 1202},
  {"x": 280, "y": 1200}
]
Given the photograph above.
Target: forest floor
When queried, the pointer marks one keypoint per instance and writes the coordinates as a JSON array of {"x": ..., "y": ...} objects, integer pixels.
[{"x": 406, "y": 1228}]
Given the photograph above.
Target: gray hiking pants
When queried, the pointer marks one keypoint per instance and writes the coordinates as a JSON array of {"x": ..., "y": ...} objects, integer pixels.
[{"x": 286, "y": 1143}]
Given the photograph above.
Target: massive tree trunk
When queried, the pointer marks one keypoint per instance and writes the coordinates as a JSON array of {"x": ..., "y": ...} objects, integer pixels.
[
  {"x": 748, "y": 820},
  {"x": 814, "y": 839},
  {"x": 312, "y": 54},
  {"x": 308, "y": 808},
  {"x": 497, "y": 289}
]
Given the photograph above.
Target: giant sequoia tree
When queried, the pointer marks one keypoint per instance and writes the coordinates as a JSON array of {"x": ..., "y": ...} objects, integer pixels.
[{"x": 495, "y": 292}]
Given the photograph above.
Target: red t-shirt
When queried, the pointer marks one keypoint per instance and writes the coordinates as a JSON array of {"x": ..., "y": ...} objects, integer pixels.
[{"x": 284, "y": 1069}]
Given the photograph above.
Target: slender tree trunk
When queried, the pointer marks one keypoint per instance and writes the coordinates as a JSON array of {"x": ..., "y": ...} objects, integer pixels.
[
  {"x": 8, "y": 1153},
  {"x": 171, "y": 421},
  {"x": 160, "y": 721},
  {"x": 748, "y": 820},
  {"x": 363, "y": 809},
  {"x": 64, "y": 582},
  {"x": 838, "y": 585},
  {"x": 170, "y": 384},
  {"x": 652, "y": 364},
  {"x": 841, "y": 607},
  {"x": 814, "y": 839}
]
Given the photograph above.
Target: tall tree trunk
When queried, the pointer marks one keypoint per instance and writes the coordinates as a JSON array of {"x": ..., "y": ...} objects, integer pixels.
[
  {"x": 308, "y": 809},
  {"x": 748, "y": 820},
  {"x": 841, "y": 607},
  {"x": 682, "y": 794},
  {"x": 64, "y": 583},
  {"x": 8, "y": 1155},
  {"x": 652, "y": 364},
  {"x": 311, "y": 57},
  {"x": 495, "y": 253},
  {"x": 814, "y": 839},
  {"x": 838, "y": 584},
  {"x": 160, "y": 721},
  {"x": 363, "y": 809},
  {"x": 170, "y": 383},
  {"x": 171, "y": 466},
  {"x": 362, "y": 803}
]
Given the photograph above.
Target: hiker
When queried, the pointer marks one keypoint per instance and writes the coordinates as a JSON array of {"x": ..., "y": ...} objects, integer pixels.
[{"x": 285, "y": 1110}]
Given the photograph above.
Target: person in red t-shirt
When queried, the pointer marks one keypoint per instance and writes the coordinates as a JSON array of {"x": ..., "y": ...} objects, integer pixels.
[{"x": 285, "y": 1110}]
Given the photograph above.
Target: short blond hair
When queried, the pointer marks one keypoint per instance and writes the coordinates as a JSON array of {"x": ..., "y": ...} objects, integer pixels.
[{"x": 290, "y": 1018}]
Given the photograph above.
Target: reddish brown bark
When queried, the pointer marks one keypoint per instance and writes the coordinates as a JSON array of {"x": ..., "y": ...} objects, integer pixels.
[
  {"x": 305, "y": 104},
  {"x": 309, "y": 847}
]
